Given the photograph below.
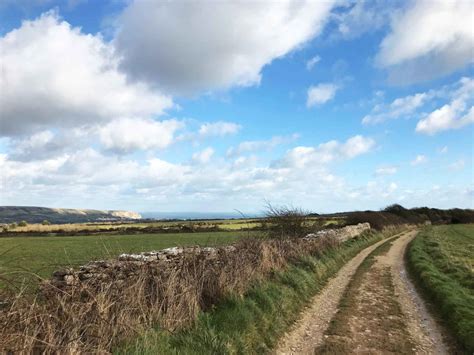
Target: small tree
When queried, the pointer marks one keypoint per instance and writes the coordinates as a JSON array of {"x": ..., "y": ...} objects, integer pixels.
[
  {"x": 46, "y": 222},
  {"x": 286, "y": 221},
  {"x": 22, "y": 224}
]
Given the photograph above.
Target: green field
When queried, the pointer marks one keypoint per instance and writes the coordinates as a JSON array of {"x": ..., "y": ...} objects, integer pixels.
[
  {"x": 441, "y": 260},
  {"x": 194, "y": 225},
  {"x": 224, "y": 224},
  {"x": 43, "y": 255}
]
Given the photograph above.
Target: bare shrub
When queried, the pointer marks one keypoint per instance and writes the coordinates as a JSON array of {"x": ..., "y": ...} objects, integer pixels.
[{"x": 286, "y": 221}]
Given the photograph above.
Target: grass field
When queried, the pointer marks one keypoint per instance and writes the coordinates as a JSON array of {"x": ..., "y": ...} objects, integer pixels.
[
  {"x": 441, "y": 260},
  {"x": 43, "y": 255},
  {"x": 196, "y": 225},
  {"x": 232, "y": 224}
]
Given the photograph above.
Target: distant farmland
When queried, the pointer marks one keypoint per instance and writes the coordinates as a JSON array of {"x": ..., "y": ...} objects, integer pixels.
[{"x": 23, "y": 257}]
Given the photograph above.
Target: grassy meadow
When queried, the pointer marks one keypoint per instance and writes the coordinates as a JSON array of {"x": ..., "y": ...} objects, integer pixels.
[
  {"x": 41, "y": 255},
  {"x": 441, "y": 260}
]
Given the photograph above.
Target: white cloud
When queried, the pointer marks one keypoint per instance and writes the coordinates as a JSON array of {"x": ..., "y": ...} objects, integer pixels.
[
  {"x": 253, "y": 146},
  {"x": 47, "y": 144},
  {"x": 360, "y": 16},
  {"x": 400, "y": 107},
  {"x": 357, "y": 145},
  {"x": 456, "y": 114},
  {"x": 312, "y": 62},
  {"x": 386, "y": 170},
  {"x": 89, "y": 178},
  {"x": 126, "y": 135},
  {"x": 197, "y": 46},
  {"x": 203, "y": 156},
  {"x": 324, "y": 153},
  {"x": 320, "y": 94},
  {"x": 451, "y": 116},
  {"x": 53, "y": 75},
  {"x": 427, "y": 40},
  {"x": 218, "y": 129},
  {"x": 37, "y": 140},
  {"x": 420, "y": 159}
]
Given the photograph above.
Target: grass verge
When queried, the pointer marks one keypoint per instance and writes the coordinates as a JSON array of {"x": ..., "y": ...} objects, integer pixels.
[
  {"x": 254, "y": 322},
  {"x": 440, "y": 261}
]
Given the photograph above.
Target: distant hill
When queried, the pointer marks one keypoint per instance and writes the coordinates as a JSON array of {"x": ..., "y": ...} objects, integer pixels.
[{"x": 10, "y": 214}]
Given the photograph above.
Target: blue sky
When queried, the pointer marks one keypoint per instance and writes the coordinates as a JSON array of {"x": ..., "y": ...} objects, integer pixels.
[{"x": 213, "y": 106}]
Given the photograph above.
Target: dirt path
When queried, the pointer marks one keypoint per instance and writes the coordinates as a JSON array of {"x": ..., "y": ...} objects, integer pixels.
[
  {"x": 307, "y": 333},
  {"x": 423, "y": 329},
  {"x": 369, "y": 307}
]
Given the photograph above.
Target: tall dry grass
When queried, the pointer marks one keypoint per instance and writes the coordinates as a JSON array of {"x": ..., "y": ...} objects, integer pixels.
[{"x": 96, "y": 315}]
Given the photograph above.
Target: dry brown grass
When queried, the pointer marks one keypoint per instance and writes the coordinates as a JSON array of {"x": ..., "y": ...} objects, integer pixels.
[{"x": 94, "y": 316}]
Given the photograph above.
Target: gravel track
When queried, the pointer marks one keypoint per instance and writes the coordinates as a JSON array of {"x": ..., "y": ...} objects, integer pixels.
[
  {"x": 308, "y": 332},
  {"x": 422, "y": 327}
]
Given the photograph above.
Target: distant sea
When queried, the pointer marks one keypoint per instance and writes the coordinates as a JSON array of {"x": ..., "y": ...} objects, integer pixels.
[{"x": 197, "y": 215}]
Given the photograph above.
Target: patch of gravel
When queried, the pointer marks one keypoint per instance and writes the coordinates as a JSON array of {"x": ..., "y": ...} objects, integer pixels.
[{"x": 307, "y": 333}]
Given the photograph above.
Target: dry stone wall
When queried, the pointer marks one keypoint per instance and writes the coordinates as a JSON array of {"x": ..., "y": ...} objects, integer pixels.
[
  {"x": 342, "y": 234},
  {"x": 129, "y": 265}
]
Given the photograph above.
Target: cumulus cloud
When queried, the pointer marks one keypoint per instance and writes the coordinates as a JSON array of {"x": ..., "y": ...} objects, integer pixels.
[
  {"x": 203, "y": 156},
  {"x": 80, "y": 176},
  {"x": 355, "y": 17},
  {"x": 320, "y": 94},
  {"x": 254, "y": 146},
  {"x": 48, "y": 144},
  {"x": 459, "y": 112},
  {"x": 401, "y": 107},
  {"x": 218, "y": 129},
  {"x": 37, "y": 140},
  {"x": 126, "y": 135},
  {"x": 456, "y": 113},
  {"x": 324, "y": 153},
  {"x": 83, "y": 175},
  {"x": 428, "y": 40},
  {"x": 356, "y": 145},
  {"x": 450, "y": 116},
  {"x": 197, "y": 46},
  {"x": 312, "y": 62},
  {"x": 53, "y": 75},
  {"x": 420, "y": 159},
  {"x": 90, "y": 178}
]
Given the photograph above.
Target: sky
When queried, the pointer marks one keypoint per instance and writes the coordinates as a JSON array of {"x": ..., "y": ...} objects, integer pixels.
[{"x": 215, "y": 106}]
